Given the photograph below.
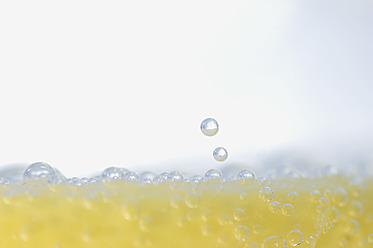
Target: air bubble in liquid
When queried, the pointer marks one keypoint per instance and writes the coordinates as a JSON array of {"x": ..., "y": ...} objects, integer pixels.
[
  {"x": 274, "y": 241},
  {"x": 293, "y": 196},
  {"x": 39, "y": 172},
  {"x": 131, "y": 211},
  {"x": 266, "y": 194},
  {"x": 323, "y": 201},
  {"x": 274, "y": 207},
  {"x": 287, "y": 209},
  {"x": 239, "y": 214},
  {"x": 351, "y": 226},
  {"x": 315, "y": 195},
  {"x": 145, "y": 224},
  {"x": 213, "y": 175},
  {"x": 220, "y": 154},
  {"x": 209, "y": 127},
  {"x": 241, "y": 233},
  {"x": 192, "y": 200},
  {"x": 246, "y": 177},
  {"x": 295, "y": 238},
  {"x": 340, "y": 197},
  {"x": 223, "y": 220}
]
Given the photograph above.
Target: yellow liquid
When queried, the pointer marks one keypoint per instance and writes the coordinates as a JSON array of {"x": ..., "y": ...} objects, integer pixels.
[{"x": 327, "y": 212}]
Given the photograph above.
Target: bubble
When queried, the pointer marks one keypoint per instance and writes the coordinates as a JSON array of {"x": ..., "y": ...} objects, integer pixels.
[
  {"x": 343, "y": 242},
  {"x": 287, "y": 209},
  {"x": 145, "y": 224},
  {"x": 239, "y": 214},
  {"x": 207, "y": 230},
  {"x": 131, "y": 211},
  {"x": 246, "y": 177},
  {"x": 177, "y": 177},
  {"x": 351, "y": 226},
  {"x": 176, "y": 202},
  {"x": 274, "y": 241},
  {"x": 295, "y": 238},
  {"x": 147, "y": 177},
  {"x": 112, "y": 174},
  {"x": 329, "y": 224},
  {"x": 262, "y": 181},
  {"x": 220, "y": 154},
  {"x": 191, "y": 215},
  {"x": 257, "y": 229},
  {"x": 340, "y": 197},
  {"x": 131, "y": 177},
  {"x": 315, "y": 195},
  {"x": 266, "y": 194},
  {"x": 328, "y": 193},
  {"x": 323, "y": 201},
  {"x": 335, "y": 215},
  {"x": 192, "y": 200},
  {"x": 220, "y": 188},
  {"x": 206, "y": 215},
  {"x": 243, "y": 196},
  {"x": 274, "y": 207},
  {"x": 325, "y": 231},
  {"x": 223, "y": 220},
  {"x": 250, "y": 245},
  {"x": 213, "y": 175},
  {"x": 209, "y": 127},
  {"x": 319, "y": 209},
  {"x": 370, "y": 238},
  {"x": 241, "y": 233},
  {"x": 293, "y": 196},
  {"x": 39, "y": 172},
  {"x": 356, "y": 209}
]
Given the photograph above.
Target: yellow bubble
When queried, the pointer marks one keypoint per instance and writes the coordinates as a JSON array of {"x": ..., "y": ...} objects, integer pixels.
[
  {"x": 145, "y": 224},
  {"x": 293, "y": 196},
  {"x": 295, "y": 238},
  {"x": 241, "y": 233},
  {"x": 274, "y": 207},
  {"x": 315, "y": 195},
  {"x": 340, "y": 197},
  {"x": 239, "y": 214},
  {"x": 351, "y": 226},
  {"x": 192, "y": 200},
  {"x": 287, "y": 209},
  {"x": 131, "y": 211},
  {"x": 266, "y": 194}
]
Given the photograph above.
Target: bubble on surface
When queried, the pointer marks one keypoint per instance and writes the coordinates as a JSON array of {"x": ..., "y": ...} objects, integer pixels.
[
  {"x": 293, "y": 196},
  {"x": 340, "y": 197},
  {"x": 241, "y": 233},
  {"x": 131, "y": 211},
  {"x": 39, "y": 172},
  {"x": 266, "y": 194},
  {"x": 192, "y": 200},
  {"x": 112, "y": 174},
  {"x": 246, "y": 177},
  {"x": 315, "y": 196},
  {"x": 351, "y": 226},
  {"x": 287, "y": 209},
  {"x": 274, "y": 207},
  {"x": 177, "y": 177},
  {"x": 213, "y": 175},
  {"x": 209, "y": 127},
  {"x": 295, "y": 238},
  {"x": 147, "y": 177},
  {"x": 239, "y": 214},
  {"x": 131, "y": 177},
  {"x": 206, "y": 215},
  {"x": 220, "y": 154},
  {"x": 274, "y": 241}
]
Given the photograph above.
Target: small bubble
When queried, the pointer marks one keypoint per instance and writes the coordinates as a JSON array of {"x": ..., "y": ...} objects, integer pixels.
[
  {"x": 147, "y": 177},
  {"x": 340, "y": 197},
  {"x": 209, "y": 127},
  {"x": 315, "y": 195},
  {"x": 223, "y": 220},
  {"x": 262, "y": 181},
  {"x": 323, "y": 201},
  {"x": 274, "y": 241},
  {"x": 176, "y": 202},
  {"x": 131, "y": 211},
  {"x": 329, "y": 224},
  {"x": 293, "y": 196},
  {"x": 328, "y": 193},
  {"x": 335, "y": 215},
  {"x": 241, "y": 233},
  {"x": 220, "y": 188},
  {"x": 220, "y": 154},
  {"x": 39, "y": 172},
  {"x": 192, "y": 200},
  {"x": 213, "y": 175},
  {"x": 274, "y": 207},
  {"x": 250, "y": 245},
  {"x": 243, "y": 196},
  {"x": 351, "y": 226},
  {"x": 206, "y": 215},
  {"x": 325, "y": 231},
  {"x": 295, "y": 238},
  {"x": 287, "y": 209},
  {"x": 343, "y": 242},
  {"x": 257, "y": 229},
  {"x": 239, "y": 214},
  {"x": 246, "y": 177},
  {"x": 207, "y": 230},
  {"x": 145, "y": 224},
  {"x": 319, "y": 209},
  {"x": 131, "y": 177},
  {"x": 356, "y": 209},
  {"x": 112, "y": 174},
  {"x": 266, "y": 194},
  {"x": 191, "y": 215},
  {"x": 370, "y": 238},
  {"x": 177, "y": 177},
  {"x": 181, "y": 221}
]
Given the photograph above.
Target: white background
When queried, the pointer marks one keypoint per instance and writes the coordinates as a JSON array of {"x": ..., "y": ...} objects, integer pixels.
[{"x": 89, "y": 84}]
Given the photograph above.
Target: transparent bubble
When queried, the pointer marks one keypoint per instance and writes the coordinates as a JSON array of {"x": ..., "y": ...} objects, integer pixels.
[
  {"x": 220, "y": 188},
  {"x": 213, "y": 175},
  {"x": 209, "y": 127},
  {"x": 241, "y": 233},
  {"x": 239, "y": 214},
  {"x": 287, "y": 209},
  {"x": 207, "y": 230},
  {"x": 176, "y": 202},
  {"x": 328, "y": 193},
  {"x": 335, "y": 215},
  {"x": 145, "y": 224},
  {"x": 325, "y": 231},
  {"x": 351, "y": 226},
  {"x": 192, "y": 200},
  {"x": 370, "y": 238},
  {"x": 177, "y": 176},
  {"x": 274, "y": 207},
  {"x": 220, "y": 154},
  {"x": 266, "y": 194},
  {"x": 206, "y": 215},
  {"x": 223, "y": 220},
  {"x": 257, "y": 229},
  {"x": 329, "y": 225},
  {"x": 315, "y": 195},
  {"x": 112, "y": 174},
  {"x": 246, "y": 177},
  {"x": 293, "y": 196},
  {"x": 356, "y": 209},
  {"x": 131, "y": 177},
  {"x": 147, "y": 177},
  {"x": 323, "y": 201},
  {"x": 340, "y": 197},
  {"x": 39, "y": 172},
  {"x": 131, "y": 211},
  {"x": 274, "y": 241},
  {"x": 342, "y": 242},
  {"x": 319, "y": 209},
  {"x": 295, "y": 238}
]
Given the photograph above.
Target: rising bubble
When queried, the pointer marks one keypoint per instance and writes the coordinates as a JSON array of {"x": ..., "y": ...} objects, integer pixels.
[
  {"x": 209, "y": 127},
  {"x": 220, "y": 154},
  {"x": 266, "y": 194},
  {"x": 295, "y": 238}
]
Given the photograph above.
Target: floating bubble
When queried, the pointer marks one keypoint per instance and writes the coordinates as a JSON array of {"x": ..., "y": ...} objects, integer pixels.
[
  {"x": 223, "y": 220},
  {"x": 112, "y": 174},
  {"x": 370, "y": 238},
  {"x": 335, "y": 215},
  {"x": 351, "y": 226},
  {"x": 241, "y": 233},
  {"x": 250, "y": 245},
  {"x": 287, "y": 209},
  {"x": 356, "y": 209},
  {"x": 213, "y": 175},
  {"x": 176, "y": 202},
  {"x": 39, "y": 172},
  {"x": 328, "y": 193},
  {"x": 329, "y": 225},
  {"x": 192, "y": 200},
  {"x": 209, "y": 127},
  {"x": 274, "y": 241},
  {"x": 315, "y": 195},
  {"x": 220, "y": 154},
  {"x": 177, "y": 177},
  {"x": 145, "y": 224},
  {"x": 239, "y": 214},
  {"x": 340, "y": 197},
  {"x": 293, "y": 196},
  {"x": 266, "y": 194},
  {"x": 207, "y": 230},
  {"x": 257, "y": 229},
  {"x": 246, "y": 177},
  {"x": 131, "y": 211},
  {"x": 206, "y": 215},
  {"x": 274, "y": 207},
  {"x": 243, "y": 196},
  {"x": 319, "y": 209},
  {"x": 295, "y": 238},
  {"x": 323, "y": 201}
]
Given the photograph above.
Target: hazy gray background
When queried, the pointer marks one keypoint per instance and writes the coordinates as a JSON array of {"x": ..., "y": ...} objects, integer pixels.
[{"x": 89, "y": 84}]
